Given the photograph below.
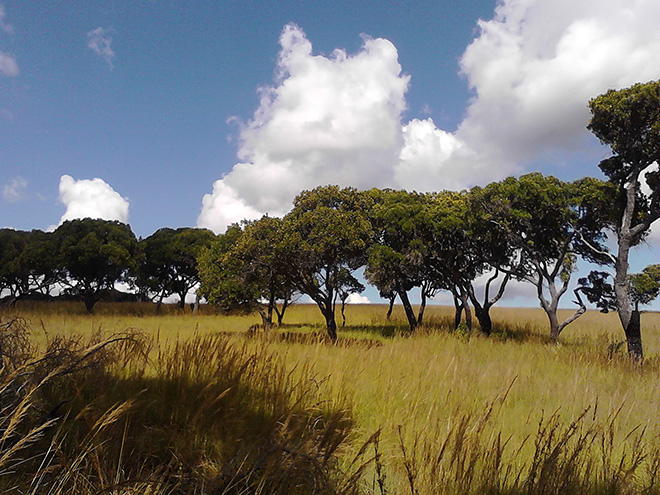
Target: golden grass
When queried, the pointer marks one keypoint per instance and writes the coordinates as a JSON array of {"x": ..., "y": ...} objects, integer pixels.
[{"x": 479, "y": 395}]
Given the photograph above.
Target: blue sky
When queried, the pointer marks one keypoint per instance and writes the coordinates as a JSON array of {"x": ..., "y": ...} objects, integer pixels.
[
  {"x": 153, "y": 121},
  {"x": 172, "y": 113}
]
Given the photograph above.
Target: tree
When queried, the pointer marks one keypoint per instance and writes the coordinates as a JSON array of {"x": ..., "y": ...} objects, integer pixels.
[
  {"x": 644, "y": 287},
  {"x": 249, "y": 270},
  {"x": 27, "y": 263},
  {"x": 169, "y": 265},
  {"x": 628, "y": 120},
  {"x": 547, "y": 222},
  {"x": 464, "y": 247},
  {"x": 400, "y": 258},
  {"x": 328, "y": 233},
  {"x": 92, "y": 255}
]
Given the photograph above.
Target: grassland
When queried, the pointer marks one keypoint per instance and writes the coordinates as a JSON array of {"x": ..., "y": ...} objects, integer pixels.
[{"x": 194, "y": 403}]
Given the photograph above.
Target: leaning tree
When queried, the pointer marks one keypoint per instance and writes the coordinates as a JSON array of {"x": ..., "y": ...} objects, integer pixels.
[{"x": 628, "y": 120}]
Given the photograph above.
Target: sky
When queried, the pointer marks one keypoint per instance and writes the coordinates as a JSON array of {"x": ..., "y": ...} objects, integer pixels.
[{"x": 170, "y": 113}]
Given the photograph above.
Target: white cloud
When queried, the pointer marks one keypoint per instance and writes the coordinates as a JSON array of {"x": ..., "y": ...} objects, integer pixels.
[
  {"x": 8, "y": 65},
  {"x": 91, "y": 199},
  {"x": 536, "y": 64},
  {"x": 15, "y": 190},
  {"x": 4, "y": 26},
  {"x": 327, "y": 120},
  {"x": 99, "y": 41},
  {"x": 356, "y": 298},
  {"x": 533, "y": 68}
]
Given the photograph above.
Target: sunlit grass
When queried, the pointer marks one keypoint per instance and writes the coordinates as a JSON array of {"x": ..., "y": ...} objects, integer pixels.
[{"x": 418, "y": 390}]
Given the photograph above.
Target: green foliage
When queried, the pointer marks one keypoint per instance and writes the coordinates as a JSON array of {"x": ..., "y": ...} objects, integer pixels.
[
  {"x": 645, "y": 286},
  {"x": 94, "y": 254},
  {"x": 249, "y": 271},
  {"x": 169, "y": 265},
  {"x": 27, "y": 262},
  {"x": 328, "y": 234},
  {"x": 628, "y": 120}
]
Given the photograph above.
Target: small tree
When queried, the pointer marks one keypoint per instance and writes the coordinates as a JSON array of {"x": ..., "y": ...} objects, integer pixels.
[
  {"x": 169, "y": 264},
  {"x": 328, "y": 234},
  {"x": 93, "y": 255},
  {"x": 628, "y": 120},
  {"x": 249, "y": 271},
  {"x": 27, "y": 263}
]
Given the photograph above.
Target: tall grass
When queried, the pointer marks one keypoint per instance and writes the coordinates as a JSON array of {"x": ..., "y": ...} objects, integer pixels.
[{"x": 194, "y": 403}]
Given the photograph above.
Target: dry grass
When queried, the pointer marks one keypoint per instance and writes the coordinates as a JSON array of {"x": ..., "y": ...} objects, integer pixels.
[{"x": 215, "y": 409}]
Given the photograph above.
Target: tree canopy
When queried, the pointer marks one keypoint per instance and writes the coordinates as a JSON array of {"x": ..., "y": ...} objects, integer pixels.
[
  {"x": 92, "y": 255},
  {"x": 628, "y": 121}
]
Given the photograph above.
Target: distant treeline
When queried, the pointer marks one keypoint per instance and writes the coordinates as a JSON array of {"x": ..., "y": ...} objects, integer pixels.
[{"x": 532, "y": 228}]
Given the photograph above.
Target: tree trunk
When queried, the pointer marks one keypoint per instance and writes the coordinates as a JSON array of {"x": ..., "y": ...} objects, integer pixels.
[
  {"x": 182, "y": 302},
  {"x": 459, "y": 306},
  {"x": 554, "y": 323},
  {"x": 410, "y": 313},
  {"x": 634, "y": 337},
  {"x": 391, "y": 307},
  {"x": 90, "y": 302},
  {"x": 266, "y": 318},
  {"x": 468, "y": 315},
  {"x": 422, "y": 308},
  {"x": 627, "y": 315},
  {"x": 343, "y": 314},
  {"x": 330, "y": 323},
  {"x": 483, "y": 316}
]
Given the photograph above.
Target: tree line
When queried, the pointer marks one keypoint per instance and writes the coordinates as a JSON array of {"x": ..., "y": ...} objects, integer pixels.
[{"x": 532, "y": 228}]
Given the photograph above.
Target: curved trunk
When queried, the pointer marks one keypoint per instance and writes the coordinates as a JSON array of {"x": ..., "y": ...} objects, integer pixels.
[{"x": 390, "y": 308}]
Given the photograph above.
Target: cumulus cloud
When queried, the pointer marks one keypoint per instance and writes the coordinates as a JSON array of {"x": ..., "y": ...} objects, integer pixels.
[
  {"x": 536, "y": 64},
  {"x": 15, "y": 190},
  {"x": 91, "y": 199},
  {"x": 532, "y": 68},
  {"x": 356, "y": 298},
  {"x": 334, "y": 119},
  {"x": 99, "y": 41}
]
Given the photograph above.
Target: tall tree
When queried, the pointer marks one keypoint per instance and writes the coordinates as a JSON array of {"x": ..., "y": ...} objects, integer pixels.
[
  {"x": 628, "y": 120},
  {"x": 328, "y": 233},
  {"x": 249, "y": 270},
  {"x": 169, "y": 264},
  {"x": 93, "y": 255}
]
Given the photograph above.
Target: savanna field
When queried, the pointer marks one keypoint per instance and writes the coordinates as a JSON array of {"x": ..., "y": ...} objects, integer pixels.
[{"x": 124, "y": 402}]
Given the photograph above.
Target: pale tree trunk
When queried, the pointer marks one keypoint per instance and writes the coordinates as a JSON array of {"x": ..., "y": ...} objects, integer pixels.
[
  {"x": 629, "y": 318},
  {"x": 551, "y": 306}
]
